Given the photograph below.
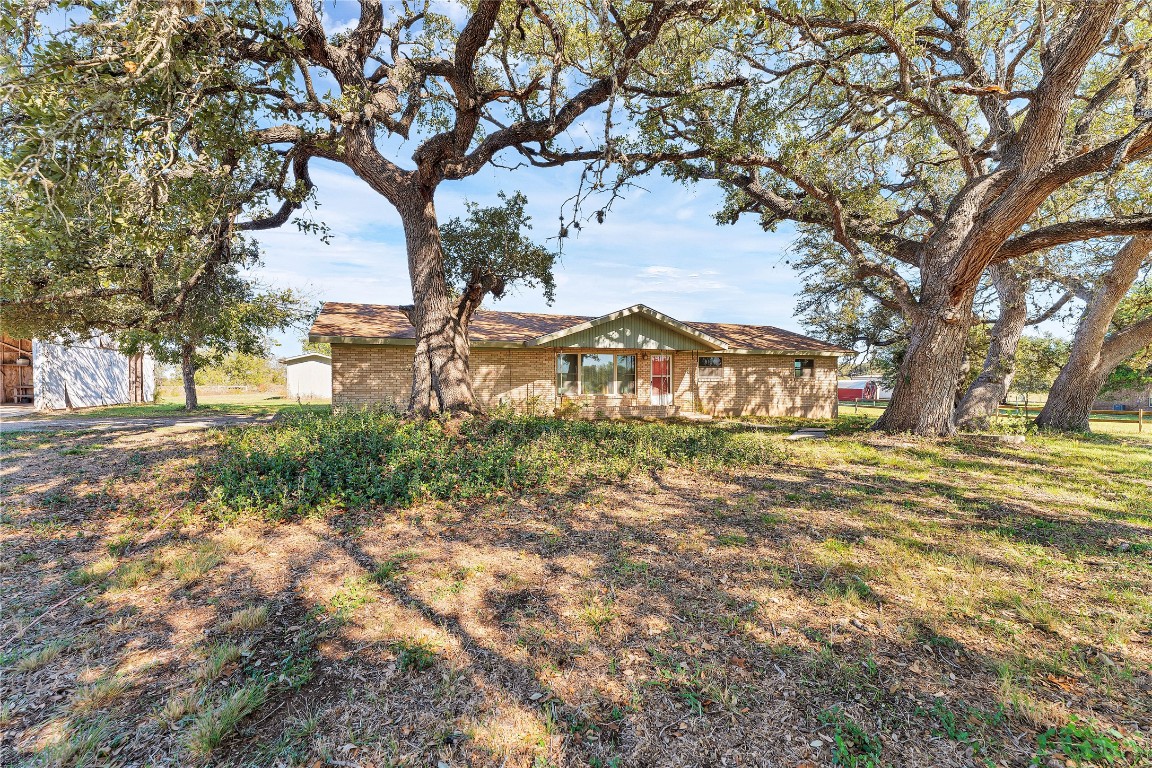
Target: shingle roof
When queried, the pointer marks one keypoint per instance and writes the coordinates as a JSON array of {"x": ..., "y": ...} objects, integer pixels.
[{"x": 378, "y": 321}]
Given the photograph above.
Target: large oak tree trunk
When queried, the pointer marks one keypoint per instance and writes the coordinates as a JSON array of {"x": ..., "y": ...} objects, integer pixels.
[
  {"x": 1075, "y": 389},
  {"x": 1094, "y": 354},
  {"x": 987, "y": 392},
  {"x": 924, "y": 395},
  {"x": 188, "y": 374},
  {"x": 441, "y": 377}
]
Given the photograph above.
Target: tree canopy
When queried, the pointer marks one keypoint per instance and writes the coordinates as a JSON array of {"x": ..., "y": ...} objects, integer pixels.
[{"x": 918, "y": 145}]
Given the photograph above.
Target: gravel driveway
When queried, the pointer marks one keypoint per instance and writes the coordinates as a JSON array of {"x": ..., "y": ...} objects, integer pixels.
[{"x": 139, "y": 422}]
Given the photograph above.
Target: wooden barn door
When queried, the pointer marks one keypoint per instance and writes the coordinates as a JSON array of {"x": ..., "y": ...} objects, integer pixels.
[{"x": 136, "y": 379}]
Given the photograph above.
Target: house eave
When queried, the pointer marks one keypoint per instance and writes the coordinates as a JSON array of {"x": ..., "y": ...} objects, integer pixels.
[
  {"x": 388, "y": 341},
  {"x": 787, "y": 352}
]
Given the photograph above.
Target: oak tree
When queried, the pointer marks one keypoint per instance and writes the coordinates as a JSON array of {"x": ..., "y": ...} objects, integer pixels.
[
  {"x": 924, "y": 139},
  {"x": 408, "y": 99},
  {"x": 1108, "y": 333}
]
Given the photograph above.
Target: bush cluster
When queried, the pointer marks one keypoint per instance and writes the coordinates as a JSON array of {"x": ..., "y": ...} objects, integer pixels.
[{"x": 314, "y": 462}]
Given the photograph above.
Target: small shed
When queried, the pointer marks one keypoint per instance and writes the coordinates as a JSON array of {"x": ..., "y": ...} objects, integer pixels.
[{"x": 309, "y": 376}]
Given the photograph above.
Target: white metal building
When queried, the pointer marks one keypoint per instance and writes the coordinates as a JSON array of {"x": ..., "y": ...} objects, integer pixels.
[
  {"x": 309, "y": 376},
  {"x": 78, "y": 373}
]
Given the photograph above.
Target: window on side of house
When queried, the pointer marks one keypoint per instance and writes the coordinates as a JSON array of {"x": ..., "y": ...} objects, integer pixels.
[
  {"x": 711, "y": 367},
  {"x": 568, "y": 375},
  {"x": 804, "y": 368}
]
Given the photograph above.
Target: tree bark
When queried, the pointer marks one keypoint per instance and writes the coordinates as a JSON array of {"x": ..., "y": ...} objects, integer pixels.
[
  {"x": 924, "y": 396},
  {"x": 441, "y": 378},
  {"x": 983, "y": 398},
  {"x": 1095, "y": 354},
  {"x": 188, "y": 373}
]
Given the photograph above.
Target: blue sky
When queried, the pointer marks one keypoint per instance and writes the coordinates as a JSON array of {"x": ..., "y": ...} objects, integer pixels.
[{"x": 659, "y": 246}]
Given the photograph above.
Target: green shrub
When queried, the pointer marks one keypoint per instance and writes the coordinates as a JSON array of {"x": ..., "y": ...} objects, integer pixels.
[{"x": 309, "y": 462}]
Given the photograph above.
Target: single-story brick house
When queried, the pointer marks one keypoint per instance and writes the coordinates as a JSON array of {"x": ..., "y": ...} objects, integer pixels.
[{"x": 634, "y": 362}]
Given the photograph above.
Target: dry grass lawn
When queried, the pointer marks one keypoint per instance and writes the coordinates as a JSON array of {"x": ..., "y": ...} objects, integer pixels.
[{"x": 869, "y": 601}]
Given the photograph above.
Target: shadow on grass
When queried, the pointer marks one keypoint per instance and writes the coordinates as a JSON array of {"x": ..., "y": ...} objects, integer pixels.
[{"x": 681, "y": 618}]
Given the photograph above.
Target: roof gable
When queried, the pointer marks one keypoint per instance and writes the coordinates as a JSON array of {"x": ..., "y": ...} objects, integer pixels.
[
  {"x": 304, "y": 357},
  {"x": 636, "y": 327}
]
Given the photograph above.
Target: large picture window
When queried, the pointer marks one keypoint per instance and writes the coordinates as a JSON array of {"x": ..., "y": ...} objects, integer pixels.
[{"x": 595, "y": 374}]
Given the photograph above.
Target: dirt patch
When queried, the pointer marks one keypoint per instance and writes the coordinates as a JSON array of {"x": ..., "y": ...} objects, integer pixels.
[{"x": 918, "y": 603}]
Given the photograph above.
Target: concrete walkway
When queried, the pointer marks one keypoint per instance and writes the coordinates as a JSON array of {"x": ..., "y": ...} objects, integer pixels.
[
  {"x": 138, "y": 422},
  {"x": 809, "y": 433}
]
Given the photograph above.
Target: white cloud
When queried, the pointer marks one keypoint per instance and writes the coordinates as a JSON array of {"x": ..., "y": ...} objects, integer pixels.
[{"x": 674, "y": 280}]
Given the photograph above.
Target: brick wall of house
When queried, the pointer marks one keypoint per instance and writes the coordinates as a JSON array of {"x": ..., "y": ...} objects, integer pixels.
[
  {"x": 367, "y": 374},
  {"x": 764, "y": 385}
]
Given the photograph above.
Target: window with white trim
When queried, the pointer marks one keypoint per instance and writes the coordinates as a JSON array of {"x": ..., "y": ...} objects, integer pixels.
[
  {"x": 568, "y": 375},
  {"x": 710, "y": 367},
  {"x": 595, "y": 374}
]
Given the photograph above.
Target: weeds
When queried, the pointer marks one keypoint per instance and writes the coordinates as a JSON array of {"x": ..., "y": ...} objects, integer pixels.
[
  {"x": 597, "y": 613},
  {"x": 218, "y": 658},
  {"x": 79, "y": 746},
  {"x": 852, "y": 746},
  {"x": 414, "y": 655},
  {"x": 177, "y": 707},
  {"x": 392, "y": 567},
  {"x": 213, "y": 725},
  {"x": 99, "y": 694},
  {"x": 119, "y": 546},
  {"x": 91, "y": 574},
  {"x": 953, "y": 725},
  {"x": 1085, "y": 745},
  {"x": 246, "y": 619},
  {"x": 133, "y": 573},
  {"x": 195, "y": 564},
  {"x": 42, "y": 657},
  {"x": 307, "y": 463}
]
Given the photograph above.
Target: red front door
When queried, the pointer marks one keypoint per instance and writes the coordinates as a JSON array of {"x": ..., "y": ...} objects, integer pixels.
[{"x": 661, "y": 380}]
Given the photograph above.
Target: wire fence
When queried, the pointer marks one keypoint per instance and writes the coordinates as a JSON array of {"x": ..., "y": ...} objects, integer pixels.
[{"x": 1136, "y": 417}]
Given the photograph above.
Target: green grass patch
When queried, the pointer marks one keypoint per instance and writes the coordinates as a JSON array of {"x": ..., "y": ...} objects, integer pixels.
[
  {"x": 191, "y": 566},
  {"x": 852, "y": 746},
  {"x": 91, "y": 574},
  {"x": 212, "y": 726},
  {"x": 414, "y": 655},
  {"x": 307, "y": 462},
  {"x": 393, "y": 566},
  {"x": 41, "y": 657},
  {"x": 1085, "y": 745}
]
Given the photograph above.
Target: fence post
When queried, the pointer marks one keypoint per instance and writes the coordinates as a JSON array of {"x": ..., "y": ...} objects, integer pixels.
[{"x": 1140, "y": 421}]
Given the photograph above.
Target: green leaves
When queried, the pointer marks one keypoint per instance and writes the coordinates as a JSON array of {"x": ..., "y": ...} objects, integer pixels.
[
  {"x": 306, "y": 464},
  {"x": 489, "y": 250}
]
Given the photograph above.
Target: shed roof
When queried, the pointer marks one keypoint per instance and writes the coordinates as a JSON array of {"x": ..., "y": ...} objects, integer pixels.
[
  {"x": 305, "y": 357},
  {"x": 342, "y": 322}
]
